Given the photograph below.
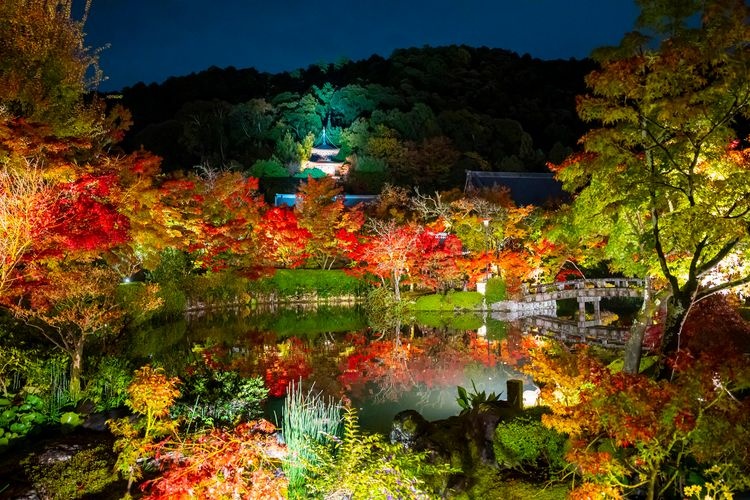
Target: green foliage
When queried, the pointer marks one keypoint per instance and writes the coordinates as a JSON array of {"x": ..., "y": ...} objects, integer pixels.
[
  {"x": 647, "y": 362},
  {"x": 294, "y": 283},
  {"x": 449, "y": 301},
  {"x": 469, "y": 401},
  {"x": 13, "y": 361},
  {"x": 268, "y": 168},
  {"x": 219, "y": 288},
  {"x": 172, "y": 275},
  {"x": 496, "y": 330},
  {"x": 488, "y": 484},
  {"x": 18, "y": 420},
  {"x": 449, "y": 319},
  {"x": 495, "y": 291},
  {"x": 368, "y": 164},
  {"x": 47, "y": 378},
  {"x": 307, "y": 418},
  {"x": 129, "y": 297},
  {"x": 524, "y": 444},
  {"x": 70, "y": 419},
  {"x": 174, "y": 267},
  {"x": 367, "y": 466},
  {"x": 324, "y": 319},
  {"x": 314, "y": 172},
  {"x": 108, "y": 384},
  {"x": 174, "y": 300},
  {"x": 88, "y": 472},
  {"x": 215, "y": 398}
]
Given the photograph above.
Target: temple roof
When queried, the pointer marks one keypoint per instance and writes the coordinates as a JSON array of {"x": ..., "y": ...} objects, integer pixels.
[
  {"x": 526, "y": 188},
  {"x": 324, "y": 143}
]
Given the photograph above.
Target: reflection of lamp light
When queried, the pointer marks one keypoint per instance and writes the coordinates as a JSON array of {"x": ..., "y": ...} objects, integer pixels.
[
  {"x": 126, "y": 279},
  {"x": 530, "y": 397}
]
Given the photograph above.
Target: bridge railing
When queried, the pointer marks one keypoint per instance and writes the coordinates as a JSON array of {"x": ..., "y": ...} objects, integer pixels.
[{"x": 634, "y": 283}]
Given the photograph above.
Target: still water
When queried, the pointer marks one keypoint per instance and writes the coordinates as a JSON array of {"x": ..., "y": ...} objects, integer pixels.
[{"x": 411, "y": 366}]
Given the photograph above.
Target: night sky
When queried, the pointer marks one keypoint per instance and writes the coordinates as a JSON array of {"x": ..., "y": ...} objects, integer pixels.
[{"x": 151, "y": 40}]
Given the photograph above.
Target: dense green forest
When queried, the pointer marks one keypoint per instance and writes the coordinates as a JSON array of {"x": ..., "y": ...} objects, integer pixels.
[{"x": 426, "y": 113}]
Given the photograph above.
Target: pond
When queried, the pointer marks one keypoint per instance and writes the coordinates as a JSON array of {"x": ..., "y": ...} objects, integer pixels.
[{"x": 415, "y": 366}]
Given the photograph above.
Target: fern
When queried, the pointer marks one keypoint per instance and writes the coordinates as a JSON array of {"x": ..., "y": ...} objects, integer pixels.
[{"x": 363, "y": 465}]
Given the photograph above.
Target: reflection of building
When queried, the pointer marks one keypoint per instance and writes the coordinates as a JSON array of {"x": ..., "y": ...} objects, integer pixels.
[
  {"x": 323, "y": 157},
  {"x": 526, "y": 188}
]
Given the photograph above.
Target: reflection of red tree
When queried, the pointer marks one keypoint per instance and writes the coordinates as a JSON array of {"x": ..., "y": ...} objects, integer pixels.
[
  {"x": 288, "y": 363},
  {"x": 278, "y": 363},
  {"x": 402, "y": 364}
]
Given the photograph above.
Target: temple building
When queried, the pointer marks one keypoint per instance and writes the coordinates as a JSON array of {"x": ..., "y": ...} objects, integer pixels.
[
  {"x": 526, "y": 188},
  {"x": 323, "y": 157}
]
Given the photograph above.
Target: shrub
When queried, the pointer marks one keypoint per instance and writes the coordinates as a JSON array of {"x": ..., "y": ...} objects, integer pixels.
[
  {"x": 216, "y": 398},
  {"x": 238, "y": 463},
  {"x": 495, "y": 291},
  {"x": 108, "y": 387},
  {"x": 449, "y": 302},
  {"x": 524, "y": 444},
  {"x": 150, "y": 396},
  {"x": 292, "y": 283},
  {"x": 449, "y": 319},
  {"x": 268, "y": 168},
  {"x": 363, "y": 465},
  {"x": 384, "y": 312},
  {"x": 174, "y": 300},
  {"x": 225, "y": 287}
]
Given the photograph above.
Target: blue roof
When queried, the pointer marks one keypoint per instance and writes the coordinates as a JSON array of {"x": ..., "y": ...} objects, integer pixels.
[{"x": 350, "y": 200}]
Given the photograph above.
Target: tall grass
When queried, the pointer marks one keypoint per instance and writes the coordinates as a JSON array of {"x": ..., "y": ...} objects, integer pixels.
[
  {"x": 308, "y": 417},
  {"x": 59, "y": 385}
]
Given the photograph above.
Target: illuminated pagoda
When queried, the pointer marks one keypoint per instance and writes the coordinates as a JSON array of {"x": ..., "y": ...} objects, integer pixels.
[{"x": 323, "y": 157}]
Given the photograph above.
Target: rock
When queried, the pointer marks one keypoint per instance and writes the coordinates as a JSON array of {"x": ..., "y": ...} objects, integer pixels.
[
  {"x": 466, "y": 440},
  {"x": 408, "y": 427},
  {"x": 98, "y": 421}
]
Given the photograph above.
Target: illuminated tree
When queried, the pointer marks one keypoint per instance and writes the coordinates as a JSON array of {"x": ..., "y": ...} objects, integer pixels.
[
  {"x": 46, "y": 68},
  {"x": 281, "y": 240},
  {"x": 320, "y": 209},
  {"x": 71, "y": 305},
  {"x": 25, "y": 201},
  {"x": 437, "y": 259},
  {"x": 389, "y": 252},
  {"x": 631, "y": 431},
  {"x": 663, "y": 184},
  {"x": 150, "y": 396}
]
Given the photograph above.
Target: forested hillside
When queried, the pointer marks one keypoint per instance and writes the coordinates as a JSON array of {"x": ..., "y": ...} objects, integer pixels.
[{"x": 422, "y": 116}]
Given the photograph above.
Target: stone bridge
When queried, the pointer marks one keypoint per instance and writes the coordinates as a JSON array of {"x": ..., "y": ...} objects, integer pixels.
[
  {"x": 588, "y": 332},
  {"x": 584, "y": 290}
]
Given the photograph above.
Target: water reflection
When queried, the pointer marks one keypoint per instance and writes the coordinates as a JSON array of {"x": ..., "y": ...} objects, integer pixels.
[{"x": 417, "y": 366}]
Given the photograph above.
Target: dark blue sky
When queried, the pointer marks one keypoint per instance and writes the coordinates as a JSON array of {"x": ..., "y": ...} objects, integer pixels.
[{"x": 151, "y": 40}]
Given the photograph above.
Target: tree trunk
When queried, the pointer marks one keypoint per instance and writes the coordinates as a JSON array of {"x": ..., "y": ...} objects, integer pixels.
[
  {"x": 678, "y": 307},
  {"x": 634, "y": 346},
  {"x": 76, "y": 368}
]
